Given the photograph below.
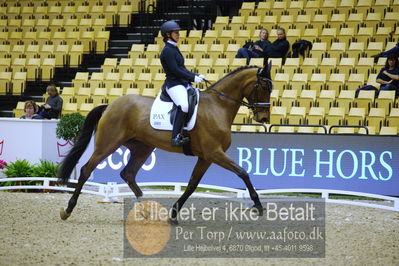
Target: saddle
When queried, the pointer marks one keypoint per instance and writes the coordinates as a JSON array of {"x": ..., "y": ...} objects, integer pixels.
[{"x": 192, "y": 102}]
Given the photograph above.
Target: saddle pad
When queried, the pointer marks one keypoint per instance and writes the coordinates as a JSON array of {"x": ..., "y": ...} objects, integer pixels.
[{"x": 160, "y": 114}]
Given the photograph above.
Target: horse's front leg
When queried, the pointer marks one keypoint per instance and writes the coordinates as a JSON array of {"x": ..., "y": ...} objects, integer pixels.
[
  {"x": 220, "y": 158},
  {"x": 198, "y": 172}
]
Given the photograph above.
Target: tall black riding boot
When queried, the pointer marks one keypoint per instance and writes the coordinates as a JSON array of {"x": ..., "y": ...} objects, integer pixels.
[{"x": 177, "y": 136}]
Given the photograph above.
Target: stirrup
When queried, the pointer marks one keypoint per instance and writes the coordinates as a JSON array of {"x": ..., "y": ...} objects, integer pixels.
[{"x": 179, "y": 140}]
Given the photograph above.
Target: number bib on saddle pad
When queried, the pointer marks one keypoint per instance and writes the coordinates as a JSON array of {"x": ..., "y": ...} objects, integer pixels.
[{"x": 161, "y": 110}]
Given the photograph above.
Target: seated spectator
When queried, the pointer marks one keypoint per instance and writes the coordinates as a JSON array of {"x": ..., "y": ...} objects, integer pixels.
[
  {"x": 279, "y": 48},
  {"x": 30, "y": 110},
  {"x": 389, "y": 75},
  {"x": 53, "y": 106},
  {"x": 255, "y": 50},
  {"x": 394, "y": 50}
]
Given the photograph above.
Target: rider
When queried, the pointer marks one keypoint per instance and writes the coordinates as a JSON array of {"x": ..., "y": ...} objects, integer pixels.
[{"x": 178, "y": 78}]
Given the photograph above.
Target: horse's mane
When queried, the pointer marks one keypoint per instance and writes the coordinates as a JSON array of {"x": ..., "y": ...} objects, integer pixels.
[{"x": 230, "y": 74}]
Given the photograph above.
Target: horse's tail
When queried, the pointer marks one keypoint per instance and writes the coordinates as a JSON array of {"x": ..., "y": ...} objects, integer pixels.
[{"x": 80, "y": 145}]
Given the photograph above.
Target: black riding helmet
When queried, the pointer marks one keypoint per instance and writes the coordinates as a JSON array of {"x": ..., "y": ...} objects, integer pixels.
[{"x": 169, "y": 26}]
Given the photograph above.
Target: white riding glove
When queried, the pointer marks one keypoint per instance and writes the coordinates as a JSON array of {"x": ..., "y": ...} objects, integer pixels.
[{"x": 199, "y": 78}]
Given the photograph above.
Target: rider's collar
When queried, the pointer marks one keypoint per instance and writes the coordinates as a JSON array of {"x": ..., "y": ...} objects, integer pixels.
[{"x": 172, "y": 43}]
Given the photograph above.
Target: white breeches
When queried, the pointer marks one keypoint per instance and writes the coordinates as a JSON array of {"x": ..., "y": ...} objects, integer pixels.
[{"x": 179, "y": 96}]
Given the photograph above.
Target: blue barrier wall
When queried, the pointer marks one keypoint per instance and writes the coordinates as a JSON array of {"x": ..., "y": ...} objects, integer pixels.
[{"x": 359, "y": 163}]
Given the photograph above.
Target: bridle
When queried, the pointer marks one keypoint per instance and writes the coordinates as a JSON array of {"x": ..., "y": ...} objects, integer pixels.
[{"x": 261, "y": 83}]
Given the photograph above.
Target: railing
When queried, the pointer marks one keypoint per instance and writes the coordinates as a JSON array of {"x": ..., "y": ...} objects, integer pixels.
[{"x": 111, "y": 191}]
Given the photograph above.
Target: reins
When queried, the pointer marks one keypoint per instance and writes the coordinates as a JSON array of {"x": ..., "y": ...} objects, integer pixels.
[
  {"x": 248, "y": 105},
  {"x": 210, "y": 87}
]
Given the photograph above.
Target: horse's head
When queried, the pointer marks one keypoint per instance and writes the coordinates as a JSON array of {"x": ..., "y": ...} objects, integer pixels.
[{"x": 259, "y": 96}]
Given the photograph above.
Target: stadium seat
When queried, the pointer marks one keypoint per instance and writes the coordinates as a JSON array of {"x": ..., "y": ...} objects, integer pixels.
[
  {"x": 110, "y": 80},
  {"x": 393, "y": 118},
  {"x": 242, "y": 115},
  {"x": 346, "y": 34},
  {"x": 372, "y": 19},
  {"x": 114, "y": 93},
  {"x": 288, "y": 99},
  {"x": 296, "y": 115},
  {"x": 327, "y": 65},
  {"x": 389, "y": 131},
  {"x": 291, "y": 65},
  {"x": 220, "y": 23},
  {"x": 355, "y": 81},
  {"x": 220, "y": 66},
  {"x": 246, "y": 9},
  {"x": 128, "y": 81},
  {"x": 19, "y": 83},
  {"x": 336, "y": 82},
  {"x": 317, "y": 82},
  {"x": 237, "y": 22},
  {"x": 337, "y": 49},
  {"x": 48, "y": 69},
  {"x": 302, "y": 21},
  {"x": 385, "y": 100},
  {"x": 337, "y": 19},
  {"x": 96, "y": 80},
  {"x": 81, "y": 79},
  {"x": 278, "y": 115},
  {"x": 356, "y": 116},
  {"x": 143, "y": 80},
  {"x": 364, "y": 65},
  {"x": 68, "y": 108},
  {"x": 309, "y": 65},
  {"x": 365, "y": 99},
  {"x": 335, "y": 116},
  {"x": 354, "y": 19},
  {"x": 364, "y": 34},
  {"x": 281, "y": 80},
  {"x": 82, "y": 95},
  {"x": 318, "y": 49},
  {"x": 347, "y": 65},
  {"x": 85, "y": 108},
  {"x": 307, "y": 99},
  {"x": 346, "y": 99},
  {"x": 109, "y": 65},
  {"x": 315, "y": 116},
  {"x": 226, "y": 36},
  {"x": 376, "y": 118},
  {"x": 209, "y": 38},
  {"x": 298, "y": 82},
  {"x": 125, "y": 65},
  {"x": 251, "y": 24}
]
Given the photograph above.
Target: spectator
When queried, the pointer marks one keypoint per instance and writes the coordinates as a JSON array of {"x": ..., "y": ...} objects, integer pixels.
[
  {"x": 30, "y": 110},
  {"x": 394, "y": 50},
  {"x": 279, "y": 48},
  {"x": 255, "y": 50},
  {"x": 53, "y": 106},
  {"x": 389, "y": 75}
]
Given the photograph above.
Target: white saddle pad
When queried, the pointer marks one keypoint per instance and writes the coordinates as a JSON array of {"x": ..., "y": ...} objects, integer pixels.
[{"x": 160, "y": 116}]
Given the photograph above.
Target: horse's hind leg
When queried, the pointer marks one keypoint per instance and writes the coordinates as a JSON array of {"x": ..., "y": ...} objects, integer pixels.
[
  {"x": 221, "y": 159},
  {"x": 102, "y": 150},
  {"x": 139, "y": 152},
  {"x": 198, "y": 172}
]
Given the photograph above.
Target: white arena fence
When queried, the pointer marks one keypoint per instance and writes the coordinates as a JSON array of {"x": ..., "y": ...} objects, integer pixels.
[{"x": 111, "y": 191}]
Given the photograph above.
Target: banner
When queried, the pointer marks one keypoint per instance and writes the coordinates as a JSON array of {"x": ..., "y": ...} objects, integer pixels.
[{"x": 368, "y": 164}]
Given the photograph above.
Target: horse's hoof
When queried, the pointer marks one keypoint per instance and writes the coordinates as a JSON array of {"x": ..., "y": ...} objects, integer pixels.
[
  {"x": 63, "y": 214},
  {"x": 173, "y": 221},
  {"x": 258, "y": 209}
]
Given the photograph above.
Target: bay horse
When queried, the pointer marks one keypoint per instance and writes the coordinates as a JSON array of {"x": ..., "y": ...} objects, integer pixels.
[{"x": 126, "y": 122}]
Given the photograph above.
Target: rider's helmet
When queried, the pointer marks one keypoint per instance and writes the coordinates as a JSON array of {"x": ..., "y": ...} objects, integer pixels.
[{"x": 169, "y": 26}]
